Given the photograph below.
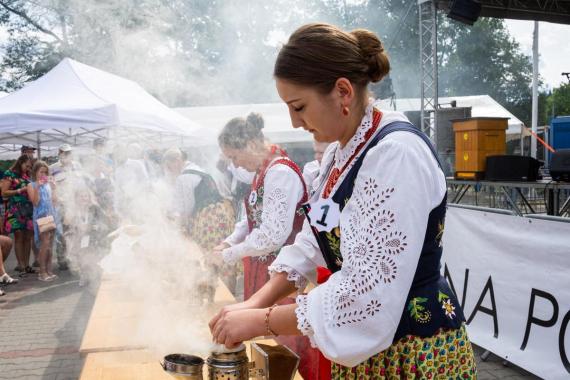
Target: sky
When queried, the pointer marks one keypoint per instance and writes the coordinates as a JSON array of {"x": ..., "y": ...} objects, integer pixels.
[{"x": 553, "y": 47}]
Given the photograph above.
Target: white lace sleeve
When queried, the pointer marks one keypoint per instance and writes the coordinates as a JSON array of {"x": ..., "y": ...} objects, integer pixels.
[
  {"x": 292, "y": 275},
  {"x": 303, "y": 324},
  {"x": 301, "y": 258},
  {"x": 239, "y": 234},
  {"x": 354, "y": 315},
  {"x": 283, "y": 190}
]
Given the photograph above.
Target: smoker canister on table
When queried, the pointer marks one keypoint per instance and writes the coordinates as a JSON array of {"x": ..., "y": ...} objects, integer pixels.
[{"x": 267, "y": 363}]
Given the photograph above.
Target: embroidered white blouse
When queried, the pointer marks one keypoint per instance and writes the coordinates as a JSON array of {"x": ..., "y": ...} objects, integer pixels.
[
  {"x": 354, "y": 315},
  {"x": 282, "y": 192}
]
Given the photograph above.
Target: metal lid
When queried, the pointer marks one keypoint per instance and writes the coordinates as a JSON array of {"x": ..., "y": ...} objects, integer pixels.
[{"x": 229, "y": 356}]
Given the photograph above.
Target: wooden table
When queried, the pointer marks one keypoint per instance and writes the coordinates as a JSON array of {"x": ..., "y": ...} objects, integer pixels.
[
  {"x": 115, "y": 323},
  {"x": 112, "y": 348},
  {"x": 133, "y": 365},
  {"x": 123, "y": 365}
]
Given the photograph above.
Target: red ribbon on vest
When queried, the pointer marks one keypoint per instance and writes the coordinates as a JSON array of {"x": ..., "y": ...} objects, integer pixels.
[{"x": 323, "y": 275}]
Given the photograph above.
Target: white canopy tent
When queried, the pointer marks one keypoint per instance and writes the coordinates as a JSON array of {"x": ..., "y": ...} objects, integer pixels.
[
  {"x": 278, "y": 124},
  {"x": 276, "y": 116},
  {"x": 75, "y": 103},
  {"x": 481, "y": 106}
]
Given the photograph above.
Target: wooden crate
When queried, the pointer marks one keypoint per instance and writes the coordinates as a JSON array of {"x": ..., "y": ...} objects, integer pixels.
[{"x": 475, "y": 139}]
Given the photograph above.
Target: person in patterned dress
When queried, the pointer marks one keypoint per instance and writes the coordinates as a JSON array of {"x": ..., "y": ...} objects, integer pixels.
[
  {"x": 19, "y": 210},
  {"x": 372, "y": 238}
]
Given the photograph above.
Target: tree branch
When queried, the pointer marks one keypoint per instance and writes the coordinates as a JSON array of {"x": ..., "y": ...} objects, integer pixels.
[{"x": 22, "y": 14}]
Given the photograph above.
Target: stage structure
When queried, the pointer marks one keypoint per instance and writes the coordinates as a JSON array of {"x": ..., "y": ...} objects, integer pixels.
[{"x": 557, "y": 11}]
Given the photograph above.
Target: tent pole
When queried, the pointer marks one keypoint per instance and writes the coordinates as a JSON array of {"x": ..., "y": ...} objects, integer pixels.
[
  {"x": 39, "y": 144},
  {"x": 534, "y": 90}
]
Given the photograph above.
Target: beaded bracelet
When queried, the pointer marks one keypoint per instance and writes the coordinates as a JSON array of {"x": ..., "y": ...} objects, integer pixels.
[{"x": 269, "y": 331}]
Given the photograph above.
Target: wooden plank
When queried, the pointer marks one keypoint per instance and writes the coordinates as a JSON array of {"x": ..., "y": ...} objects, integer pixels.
[{"x": 123, "y": 365}]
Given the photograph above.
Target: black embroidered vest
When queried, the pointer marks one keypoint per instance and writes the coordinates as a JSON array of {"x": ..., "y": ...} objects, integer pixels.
[{"x": 430, "y": 304}]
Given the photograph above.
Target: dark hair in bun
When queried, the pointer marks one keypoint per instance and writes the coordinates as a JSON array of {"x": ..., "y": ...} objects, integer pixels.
[
  {"x": 373, "y": 53},
  {"x": 239, "y": 131},
  {"x": 316, "y": 55}
]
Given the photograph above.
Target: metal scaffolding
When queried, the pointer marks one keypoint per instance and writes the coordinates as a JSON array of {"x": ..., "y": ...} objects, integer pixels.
[
  {"x": 540, "y": 10},
  {"x": 428, "y": 57}
]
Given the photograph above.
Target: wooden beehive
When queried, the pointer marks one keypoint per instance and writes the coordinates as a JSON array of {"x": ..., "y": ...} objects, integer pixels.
[{"x": 475, "y": 139}]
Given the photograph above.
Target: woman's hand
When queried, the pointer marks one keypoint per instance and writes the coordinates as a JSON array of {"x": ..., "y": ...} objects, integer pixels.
[
  {"x": 220, "y": 248},
  {"x": 215, "y": 257},
  {"x": 237, "y": 326},
  {"x": 249, "y": 304}
]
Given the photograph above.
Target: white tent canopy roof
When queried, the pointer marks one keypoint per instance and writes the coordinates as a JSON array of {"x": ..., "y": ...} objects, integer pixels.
[
  {"x": 278, "y": 123},
  {"x": 481, "y": 106},
  {"x": 74, "y": 99},
  {"x": 276, "y": 116}
]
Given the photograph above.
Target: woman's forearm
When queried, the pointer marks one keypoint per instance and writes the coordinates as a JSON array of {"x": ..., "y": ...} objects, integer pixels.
[
  {"x": 283, "y": 320},
  {"x": 277, "y": 288},
  {"x": 10, "y": 193}
]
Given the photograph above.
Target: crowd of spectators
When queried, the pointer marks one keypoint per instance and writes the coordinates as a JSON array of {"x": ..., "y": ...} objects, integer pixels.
[{"x": 66, "y": 211}]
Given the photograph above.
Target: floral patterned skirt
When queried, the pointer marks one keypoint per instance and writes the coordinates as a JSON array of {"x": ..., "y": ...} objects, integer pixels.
[
  {"x": 213, "y": 224},
  {"x": 446, "y": 355},
  {"x": 210, "y": 227},
  {"x": 18, "y": 217}
]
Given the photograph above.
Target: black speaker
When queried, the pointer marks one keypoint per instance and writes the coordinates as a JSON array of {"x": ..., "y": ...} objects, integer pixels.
[
  {"x": 466, "y": 11},
  {"x": 511, "y": 168},
  {"x": 560, "y": 165}
]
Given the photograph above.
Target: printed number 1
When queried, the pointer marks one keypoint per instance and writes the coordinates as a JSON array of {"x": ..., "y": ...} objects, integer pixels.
[{"x": 325, "y": 209}]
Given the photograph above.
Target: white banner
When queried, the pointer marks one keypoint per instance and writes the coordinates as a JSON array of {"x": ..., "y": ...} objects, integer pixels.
[{"x": 512, "y": 276}]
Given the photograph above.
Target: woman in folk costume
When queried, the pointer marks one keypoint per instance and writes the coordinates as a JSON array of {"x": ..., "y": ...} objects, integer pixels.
[
  {"x": 274, "y": 213},
  {"x": 375, "y": 221}
]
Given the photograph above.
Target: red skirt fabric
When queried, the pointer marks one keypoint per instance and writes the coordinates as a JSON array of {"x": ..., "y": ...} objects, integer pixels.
[{"x": 255, "y": 274}]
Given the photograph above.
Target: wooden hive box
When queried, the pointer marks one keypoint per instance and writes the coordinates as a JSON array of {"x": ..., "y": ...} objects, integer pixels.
[{"x": 475, "y": 139}]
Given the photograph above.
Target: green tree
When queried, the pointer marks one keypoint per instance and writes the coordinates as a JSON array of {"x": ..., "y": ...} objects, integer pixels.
[
  {"x": 558, "y": 103},
  {"x": 31, "y": 49},
  {"x": 485, "y": 59},
  {"x": 206, "y": 52}
]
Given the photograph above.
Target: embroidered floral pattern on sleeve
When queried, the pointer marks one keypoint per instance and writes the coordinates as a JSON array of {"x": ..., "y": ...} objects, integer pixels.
[
  {"x": 292, "y": 275},
  {"x": 371, "y": 246},
  {"x": 270, "y": 220}
]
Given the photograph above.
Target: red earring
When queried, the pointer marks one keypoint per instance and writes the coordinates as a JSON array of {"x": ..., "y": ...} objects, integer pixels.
[{"x": 345, "y": 111}]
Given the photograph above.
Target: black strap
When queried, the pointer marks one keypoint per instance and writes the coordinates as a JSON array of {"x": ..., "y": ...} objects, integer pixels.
[
  {"x": 408, "y": 127},
  {"x": 196, "y": 172},
  {"x": 206, "y": 193}
]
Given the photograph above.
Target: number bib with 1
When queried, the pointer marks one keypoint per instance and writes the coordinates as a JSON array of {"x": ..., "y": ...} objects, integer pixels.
[{"x": 324, "y": 214}]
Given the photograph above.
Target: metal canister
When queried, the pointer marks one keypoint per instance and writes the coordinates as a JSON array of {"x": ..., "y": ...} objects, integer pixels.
[
  {"x": 228, "y": 365},
  {"x": 183, "y": 367}
]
